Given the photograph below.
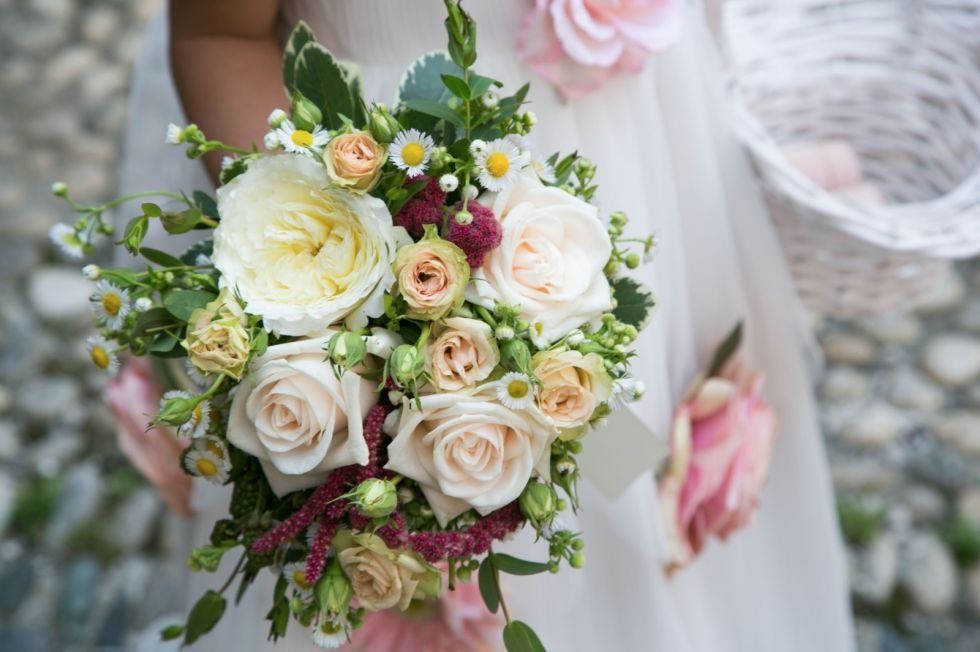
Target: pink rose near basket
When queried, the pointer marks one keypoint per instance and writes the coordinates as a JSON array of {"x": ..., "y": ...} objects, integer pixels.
[{"x": 863, "y": 119}]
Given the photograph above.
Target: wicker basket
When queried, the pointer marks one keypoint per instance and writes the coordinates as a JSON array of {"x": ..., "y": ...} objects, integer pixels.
[{"x": 900, "y": 82}]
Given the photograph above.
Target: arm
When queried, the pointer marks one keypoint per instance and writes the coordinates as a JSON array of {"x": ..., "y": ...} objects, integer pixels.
[{"x": 226, "y": 64}]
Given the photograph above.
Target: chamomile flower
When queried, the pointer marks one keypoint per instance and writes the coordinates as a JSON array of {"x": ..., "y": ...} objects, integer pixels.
[
  {"x": 330, "y": 635},
  {"x": 295, "y": 575},
  {"x": 175, "y": 135},
  {"x": 197, "y": 376},
  {"x": 301, "y": 141},
  {"x": 67, "y": 240},
  {"x": 271, "y": 141},
  {"x": 208, "y": 459},
  {"x": 102, "y": 356},
  {"x": 499, "y": 164},
  {"x": 110, "y": 304},
  {"x": 625, "y": 390},
  {"x": 197, "y": 425},
  {"x": 544, "y": 170},
  {"x": 411, "y": 150},
  {"x": 515, "y": 391}
]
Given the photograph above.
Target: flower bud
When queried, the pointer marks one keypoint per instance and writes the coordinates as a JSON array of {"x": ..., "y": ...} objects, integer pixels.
[
  {"x": 464, "y": 217},
  {"x": 59, "y": 189},
  {"x": 346, "y": 350},
  {"x": 632, "y": 260},
  {"x": 406, "y": 365},
  {"x": 376, "y": 497},
  {"x": 306, "y": 114},
  {"x": 175, "y": 135},
  {"x": 538, "y": 503},
  {"x": 271, "y": 140},
  {"x": 477, "y": 146},
  {"x": 91, "y": 272},
  {"x": 333, "y": 590},
  {"x": 382, "y": 124},
  {"x": 577, "y": 560},
  {"x": 276, "y": 118},
  {"x": 178, "y": 410},
  {"x": 470, "y": 191},
  {"x": 515, "y": 356},
  {"x": 504, "y": 333},
  {"x": 143, "y": 304},
  {"x": 575, "y": 338},
  {"x": 448, "y": 183},
  {"x": 618, "y": 219},
  {"x": 490, "y": 99}
]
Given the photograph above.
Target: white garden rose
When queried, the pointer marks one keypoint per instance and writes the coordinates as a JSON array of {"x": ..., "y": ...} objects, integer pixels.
[
  {"x": 293, "y": 414},
  {"x": 468, "y": 450},
  {"x": 461, "y": 353},
  {"x": 301, "y": 252},
  {"x": 550, "y": 260}
]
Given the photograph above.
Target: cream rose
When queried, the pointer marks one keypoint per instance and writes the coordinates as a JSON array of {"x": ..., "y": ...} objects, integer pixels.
[
  {"x": 468, "y": 450},
  {"x": 383, "y": 578},
  {"x": 550, "y": 260},
  {"x": 301, "y": 253},
  {"x": 462, "y": 353},
  {"x": 293, "y": 414},
  {"x": 354, "y": 160},
  {"x": 572, "y": 386},
  {"x": 216, "y": 341},
  {"x": 432, "y": 276}
]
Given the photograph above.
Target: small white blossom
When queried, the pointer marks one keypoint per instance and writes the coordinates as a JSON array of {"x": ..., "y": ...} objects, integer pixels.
[
  {"x": 499, "y": 164},
  {"x": 470, "y": 191},
  {"x": 276, "y": 118},
  {"x": 91, "y": 272},
  {"x": 515, "y": 391},
  {"x": 67, "y": 240},
  {"x": 478, "y": 146},
  {"x": 59, "y": 189},
  {"x": 575, "y": 338},
  {"x": 227, "y": 162},
  {"x": 300, "y": 141},
  {"x": 411, "y": 151},
  {"x": 110, "y": 304},
  {"x": 271, "y": 141},
  {"x": 143, "y": 304},
  {"x": 101, "y": 355},
  {"x": 490, "y": 99},
  {"x": 504, "y": 333},
  {"x": 448, "y": 182},
  {"x": 175, "y": 135}
]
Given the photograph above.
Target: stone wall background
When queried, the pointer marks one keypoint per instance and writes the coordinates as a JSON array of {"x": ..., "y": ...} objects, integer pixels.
[{"x": 82, "y": 539}]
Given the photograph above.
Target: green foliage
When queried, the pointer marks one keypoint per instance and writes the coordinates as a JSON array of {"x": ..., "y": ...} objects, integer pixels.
[
  {"x": 519, "y": 637},
  {"x": 329, "y": 86},
  {"x": 424, "y": 79},
  {"x": 182, "y": 303},
  {"x": 487, "y": 581},
  {"x": 963, "y": 538},
  {"x": 514, "y": 566},
  {"x": 302, "y": 34},
  {"x": 726, "y": 350},
  {"x": 34, "y": 506},
  {"x": 859, "y": 522},
  {"x": 204, "y": 616},
  {"x": 634, "y": 302}
]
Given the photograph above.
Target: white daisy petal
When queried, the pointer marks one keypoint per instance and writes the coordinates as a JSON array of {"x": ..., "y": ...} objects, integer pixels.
[
  {"x": 67, "y": 240},
  {"x": 410, "y": 151},
  {"x": 110, "y": 304},
  {"x": 102, "y": 355},
  {"x": 499, "y": 164},
  {"x": 515, "y": 391}
]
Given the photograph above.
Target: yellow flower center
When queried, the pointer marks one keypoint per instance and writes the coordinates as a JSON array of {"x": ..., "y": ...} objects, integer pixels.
[
  {"x": 413, "y": 154},
  {"x": 517, "y": 389},
  {"x": 100, "y": 358},
  {"x": 299, "y": 579},
  {"x": 498, "y": 164},
  {"x": 111, "y": 303},
  {"x": 197, "y": 413},
  {"x": 301, "y": 138},
  {"x": 206, "y": 467},
  {"x": 214, "y": 449}
]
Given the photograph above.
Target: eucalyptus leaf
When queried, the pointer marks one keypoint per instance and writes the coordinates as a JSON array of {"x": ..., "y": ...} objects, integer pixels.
[
  {"x": 161, "y": 258},
  {"x": 519, "y": 637},
  {"x": 182, "y": 303},
  {"x": 423, "y": 79},
  {"x": 435, "y": 109},
  {"x": 514, "y": 566},
  {"x": 204, "y": 616},
  {"x": 480, "y": 85},
  {"x": 488, "y": 585},
  {"x": 195, "y": 251},
  {"x": 302, "y": 34},
  {"x": 634, "y": 302}
]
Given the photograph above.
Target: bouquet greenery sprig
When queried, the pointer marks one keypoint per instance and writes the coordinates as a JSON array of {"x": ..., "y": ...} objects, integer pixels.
[{"x": 395, "y": 331}]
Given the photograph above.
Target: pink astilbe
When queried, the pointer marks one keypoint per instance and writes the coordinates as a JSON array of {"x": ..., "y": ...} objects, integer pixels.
[
  {"x": 422, "y": 209},
  {"x": 317, "y": 558},
  {"x": 479, "y": 237}
]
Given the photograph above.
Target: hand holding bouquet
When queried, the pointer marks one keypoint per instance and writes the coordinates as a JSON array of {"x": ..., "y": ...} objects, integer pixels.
[{"x": 399, "y": 330}]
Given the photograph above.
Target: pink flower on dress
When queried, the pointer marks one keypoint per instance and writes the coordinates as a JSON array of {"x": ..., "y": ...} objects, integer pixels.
[
  {"x": 455, "y": 622},
  {"x": 579, "y": 44},
  {"x": 721, "y": 446},
  {"x": 133, "y": 397}
]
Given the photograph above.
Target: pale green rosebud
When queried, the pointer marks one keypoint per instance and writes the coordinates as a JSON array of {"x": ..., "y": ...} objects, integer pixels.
[
  {"x": 306, "y": 114},
  {"x": 382, "y": 124},
  {"x": 538, "y": 503},
  {"x": 376, "y": 497},
  {"x": 577, "y": 560},
  {"x": 515, "y": 356},
  {"x": 406, "y": 365},
  {"x": 618, "y": 219},
  {"x": 59, "y": 189},
  {"x": 178, "y": 410},
  {"x": 346, "y": 350},
  {"x": 632, "y": 260},
  {"x": 333, "y": 590}
]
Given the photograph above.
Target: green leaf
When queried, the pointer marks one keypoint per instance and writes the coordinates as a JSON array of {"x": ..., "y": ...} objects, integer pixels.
[
  {"x": 488, "y": 585},
  {"x": 152, "y": 319},
  {"x": 441, "y": 111},
  {"x": 423, "y": 79},
  {"x": 519, "y": 637},
  {"x": 202, "y": 248},
  {"x": 165, "y": 346},
  {"x": 134, "y": 234},
  {"x": 204, "y": 616},
  {"x": 261, "y": 342},
  {"x": 480, "y": 85},
  {"x": 634, "y": 302},
  {"x": 182, "y": 303},
  {"x": 205, "y": 203},
  {"x": 726, "y": 350},
  {"x": 279, "y": 617},
  {"x": 325, "y": 83},
  {"x": 514, "y": 566},
  {"x": 151, "y": 210},
  {"x": 120, "y": 276},
  {"x": 508, "y": 106},
  {"x": 172, "y": 632},
  {"x": 302, "y": 34},
  {"x": 161, "y": 258},
  {"x": 457, "y": 86},
  {"x": 177, "y": 222}
]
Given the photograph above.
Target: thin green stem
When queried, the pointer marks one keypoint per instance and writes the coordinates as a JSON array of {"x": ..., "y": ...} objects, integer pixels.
[{"x": 234, "y": 574}]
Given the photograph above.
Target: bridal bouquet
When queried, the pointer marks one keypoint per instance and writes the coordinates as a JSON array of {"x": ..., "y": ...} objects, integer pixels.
[{"x": 396, "y": 330}]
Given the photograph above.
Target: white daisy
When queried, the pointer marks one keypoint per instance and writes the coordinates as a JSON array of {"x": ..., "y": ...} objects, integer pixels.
[
  {"x": 301, "y": 141},
  {"x": 624, "y": 391},
  {"x": 544, "y": 170},
  {"x": 197, "y": 376},
  {"x": 175, "y": 135},
  {"x": 536, "y": 329},
  {"x": 330, "y": 635},
  {"x": 207, "y": 461},
  {"x": 67, "y": 240},
  {"x": 499, "y": 164},
  {"x": 295, "y": 575},
  {"x": 515, "y": 391},
  {"x": 410, "y": 151},
  {"x": 102, "y": 356},
  {"x": 110, "y": 304},
  {"x": 197, "y": 425}
]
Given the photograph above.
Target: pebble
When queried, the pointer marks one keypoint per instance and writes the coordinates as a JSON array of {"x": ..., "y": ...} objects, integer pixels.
[
  {"x": 948, "y": 293},
  {"x": 972, "y": 582},
  {"x": 100, "y": 24},
  {"x": 893, "y": 328},
  {"x": 910, "y": 389},
  {"x": 968, "y": 505},
  {"x": 925, "y": 504},
  {"x": 953, "y": 359},
  {"x": 8, "y": 498},
  {"x": 969, "y": 318},
  {"x": 875, "y": 426},
  {"x": 18, "y": 255},
  {"x": 928, "y": 573},
  {"x": 849, "y": 349},
  {"x": 69, "y": 65},
  {"x": 78, "y": 501},
  {"x": 134, "y": 520},
  {"x": 60, "y": 293},
  {"x": 844, "y": 384},
  {"x": 862, "y": 474},
  {"x": 48, "y": 397},
  {"x": 962, "y": 430},
  {"x": 56, "y": 451},
  {"x": 9, "y": 440},
  {"x": 874, "y": 571}
]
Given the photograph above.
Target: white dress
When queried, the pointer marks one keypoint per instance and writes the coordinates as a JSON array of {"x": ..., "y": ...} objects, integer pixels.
[{"x": 665, "y": 157}]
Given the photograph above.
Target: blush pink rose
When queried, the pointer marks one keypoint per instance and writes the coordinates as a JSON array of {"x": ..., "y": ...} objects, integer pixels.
[
  {"x": 578, "y": 44},
  {"x": 455, "y": 622},
  {"x": 721, "y": 446},
  {"x": 133, "y": 397}
]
